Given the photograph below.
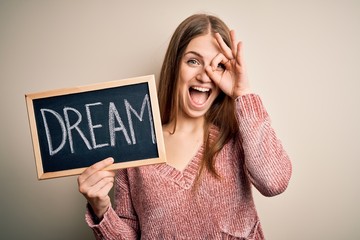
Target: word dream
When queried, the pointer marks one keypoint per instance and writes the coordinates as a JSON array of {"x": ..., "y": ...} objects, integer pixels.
[{"x": 115, "y": 124}]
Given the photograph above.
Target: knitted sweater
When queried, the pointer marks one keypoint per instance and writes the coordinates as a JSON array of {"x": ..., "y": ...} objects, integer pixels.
[{"x": 160, "y": 202}]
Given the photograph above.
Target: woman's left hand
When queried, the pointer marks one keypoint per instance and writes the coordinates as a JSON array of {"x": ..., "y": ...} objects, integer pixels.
[{"x": 231, "y": 79}]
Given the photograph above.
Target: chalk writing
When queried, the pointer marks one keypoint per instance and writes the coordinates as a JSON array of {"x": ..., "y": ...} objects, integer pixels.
[{"x": 115, "y": 125}]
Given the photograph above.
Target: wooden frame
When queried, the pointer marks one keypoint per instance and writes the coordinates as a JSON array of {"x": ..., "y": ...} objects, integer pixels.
[{"x": 39, "y": 159}]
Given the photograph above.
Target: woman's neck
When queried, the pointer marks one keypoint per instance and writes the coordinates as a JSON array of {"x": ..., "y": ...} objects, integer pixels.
[
  {"x": 183, "y": 140},
  {"x": 185, "y": 124}
]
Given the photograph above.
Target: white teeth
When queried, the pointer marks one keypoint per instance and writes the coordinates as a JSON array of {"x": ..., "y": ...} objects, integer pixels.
[{"x": 201, "y": 89}]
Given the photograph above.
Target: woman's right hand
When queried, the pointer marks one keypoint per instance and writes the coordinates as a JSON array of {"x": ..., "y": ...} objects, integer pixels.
[{"x": 95, "y": 184}]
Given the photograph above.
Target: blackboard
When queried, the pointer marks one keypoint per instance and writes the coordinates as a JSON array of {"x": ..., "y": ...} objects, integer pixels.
[{"x": 74, "y": 128}]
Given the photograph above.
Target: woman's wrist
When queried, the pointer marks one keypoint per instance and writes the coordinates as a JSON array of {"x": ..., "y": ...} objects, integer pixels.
[
  {"x": 99, "y": 210},
  {"x": 240, "y": 93}
]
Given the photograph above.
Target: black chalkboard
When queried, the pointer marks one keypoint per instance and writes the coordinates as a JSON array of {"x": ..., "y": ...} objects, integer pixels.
[{"x": 76, "y": 127}]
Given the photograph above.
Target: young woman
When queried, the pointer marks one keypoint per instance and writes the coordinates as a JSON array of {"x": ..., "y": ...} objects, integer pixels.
[{"x": 219, "y": 143}]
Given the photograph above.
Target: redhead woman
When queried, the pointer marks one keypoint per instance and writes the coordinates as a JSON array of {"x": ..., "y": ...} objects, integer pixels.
[{"x": 219, "y": 143}]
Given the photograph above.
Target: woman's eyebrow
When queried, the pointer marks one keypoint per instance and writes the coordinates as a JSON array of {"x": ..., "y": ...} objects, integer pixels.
[{"x": 195, "y": 53}]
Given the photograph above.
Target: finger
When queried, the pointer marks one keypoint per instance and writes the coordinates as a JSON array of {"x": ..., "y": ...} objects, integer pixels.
[
  {"x": 213, "y": 75},
  {"x": 239, "y": 54},
  {"x": 219, "y": 58},
  {"x": 224, "y": 48},
  {"x": 95, "y": 168},
  {"x": 96, "y": 181},
  {"x": 97, "y": 177},
  {"x": 100, "y": 189},
  {"x": 104, "y": 191},
  {"x": 234, "y": 47}
]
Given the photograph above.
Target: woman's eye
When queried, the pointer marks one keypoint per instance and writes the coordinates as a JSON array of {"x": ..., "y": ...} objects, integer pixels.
[
  {"x": 221, "y": 66},
  {"x": 193, "y": 62}
]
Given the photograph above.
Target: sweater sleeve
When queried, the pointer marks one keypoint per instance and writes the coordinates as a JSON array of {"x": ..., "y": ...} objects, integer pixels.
[
  {"x": 119, "y": 222},
  {"x": 266, "y": 162}
]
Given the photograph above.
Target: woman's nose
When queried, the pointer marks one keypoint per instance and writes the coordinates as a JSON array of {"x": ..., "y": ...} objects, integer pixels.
[{"x": 203, "y": 76}]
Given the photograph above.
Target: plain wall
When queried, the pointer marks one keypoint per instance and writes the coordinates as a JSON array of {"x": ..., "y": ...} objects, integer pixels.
[{"x": 302, "y": 57}]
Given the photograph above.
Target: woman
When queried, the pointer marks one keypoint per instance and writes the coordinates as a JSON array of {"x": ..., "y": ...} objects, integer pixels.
[{"x": 218, "y": 142}]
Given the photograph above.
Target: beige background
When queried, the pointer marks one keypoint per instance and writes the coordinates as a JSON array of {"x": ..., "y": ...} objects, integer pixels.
[{"x": 302, "y": 57}]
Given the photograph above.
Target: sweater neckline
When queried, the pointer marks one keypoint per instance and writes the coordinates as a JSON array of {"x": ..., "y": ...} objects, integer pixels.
[{"x": 187, "y": 176}]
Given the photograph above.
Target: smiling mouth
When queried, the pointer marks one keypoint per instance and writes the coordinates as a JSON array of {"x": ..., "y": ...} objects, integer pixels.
[{"x": 199, "y": 95}]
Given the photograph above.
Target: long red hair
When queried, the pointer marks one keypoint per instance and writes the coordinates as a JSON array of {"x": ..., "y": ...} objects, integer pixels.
[{"x": 221, "y": 114}]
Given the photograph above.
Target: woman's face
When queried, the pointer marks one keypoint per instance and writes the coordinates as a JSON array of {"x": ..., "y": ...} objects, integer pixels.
[{"x": 196, "y": 90}]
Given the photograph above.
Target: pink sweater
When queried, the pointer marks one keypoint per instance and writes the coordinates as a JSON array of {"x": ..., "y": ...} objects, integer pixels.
[{"x": 159, "y": 202}]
